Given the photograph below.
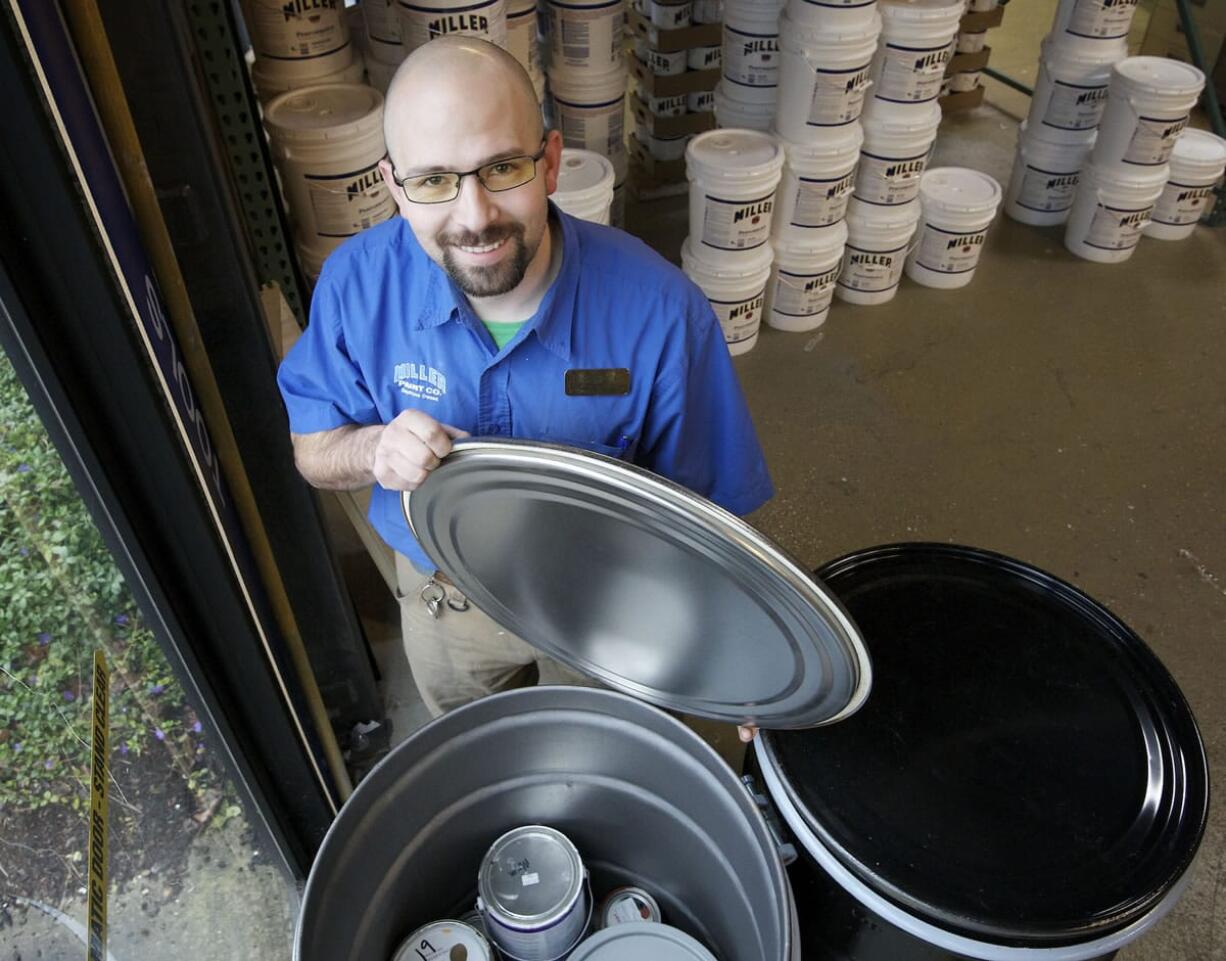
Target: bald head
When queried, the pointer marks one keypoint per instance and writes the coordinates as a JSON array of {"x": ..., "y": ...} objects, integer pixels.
[{"x": 449, "y": 89}]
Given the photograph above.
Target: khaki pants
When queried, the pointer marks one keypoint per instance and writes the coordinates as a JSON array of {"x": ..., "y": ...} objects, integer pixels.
[{"x": 462, "y": 654}]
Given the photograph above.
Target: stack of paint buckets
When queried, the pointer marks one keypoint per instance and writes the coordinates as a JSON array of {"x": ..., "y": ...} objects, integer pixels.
[
  {"x": 1149, "y": 101},
  {"x": 587, "y": 80},
  {"x": 383, "y": 44},
  {"x": 749, "y": 86},
  {"x": 424, "y": 20},
  {"x": 900, "y": 122},
  {"x": 733, "y": 177},
  {"x": 1075, "y": 62},
  {"x": 297, "y": 48},
  {"x": 585, "y": 185},
  {"x": 826, "y": 56},
  {"x": 524, "y": 43}
]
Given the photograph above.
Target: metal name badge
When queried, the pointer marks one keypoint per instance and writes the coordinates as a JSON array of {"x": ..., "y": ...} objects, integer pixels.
[{"x": 598, "y": 382}]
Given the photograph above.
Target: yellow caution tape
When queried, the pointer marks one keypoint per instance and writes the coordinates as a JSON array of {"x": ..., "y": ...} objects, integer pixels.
[{"x": 96, "y": 946}]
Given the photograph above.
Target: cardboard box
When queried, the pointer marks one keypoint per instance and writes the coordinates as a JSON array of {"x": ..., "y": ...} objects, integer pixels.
[
  {"x": 658, "y": 172},
  {"x": 683, "y": 38},
  {"x": 687, "y": 123},
  {"x": 967, "y": 100},
  {"x": 977, "y": 22},
  {"x": 692, "y": 81},
  {"x": 962, "y": 62}
]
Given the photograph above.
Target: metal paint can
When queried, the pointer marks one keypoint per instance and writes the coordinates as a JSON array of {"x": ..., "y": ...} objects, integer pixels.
[
  {"x": 445, "y": 941},
  {"x": 533, "y": 894},
  {"x": 628, "y": 904}
]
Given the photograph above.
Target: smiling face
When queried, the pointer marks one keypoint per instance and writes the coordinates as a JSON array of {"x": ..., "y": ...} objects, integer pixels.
[{"x": 456, "y": 105}]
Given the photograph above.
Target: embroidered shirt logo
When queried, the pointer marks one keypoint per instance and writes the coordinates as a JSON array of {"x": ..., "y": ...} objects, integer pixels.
[{"x": 420, "y": 381}]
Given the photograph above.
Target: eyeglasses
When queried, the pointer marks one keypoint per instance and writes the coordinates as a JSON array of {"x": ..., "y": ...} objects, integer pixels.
[{"x": 438, "y": 188}]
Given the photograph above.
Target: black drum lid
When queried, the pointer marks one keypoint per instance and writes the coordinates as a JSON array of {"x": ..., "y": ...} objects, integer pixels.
[{"x": 1026, "y": 772}]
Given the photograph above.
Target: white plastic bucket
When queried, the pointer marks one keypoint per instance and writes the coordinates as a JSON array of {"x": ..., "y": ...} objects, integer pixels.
[
  {"x": 802, "y": 280},
  {"x": 424, "y": 20},
  {"x": 382, "y": 25},
  {"x": 878, "y": 240},
  {"x": 968, "y": 42},
  {"x": 1147, "y": 110},
  {"x": 1071, "y": 90},
  {"x": 1197, "y": 164},
  {"x": 832, "y": 14},
  {"x": 751, "y": 50},
  {"x": 917, "y": 42},
  {"x": 270, "y": 83},
  {"x": 733, "y": 175},
  {"x": 1096, "y": 19},
  {"x": 670, "y": 16},
  {"x": 1045, "y": 178},
  {"x": 965, "y": 80},
  {"x": 705, "y": 58},
  {"x": 734, "y": 114},
  {"x": 897, "y": 142},
  {"x": 823, "y": 77},
  {"x": 735, "y": 290},
  {"x": 588, "y": 110},
  {"x": 665, "y": 64},
  {"x": 1112, "y": 208},
  {"x": 708, "y": 11},
  {"x": 816, "y": 185},
  {"x": 327, "y": 142},
  {"x": 379, "y": 74},
  {"x": 673, "y": 106},
  {"x": 586, "y": 35},
  {"x": 585, "y": 185},
  {"x": 521, "y": 35},
  {"x": 957, "y": 205},
  {"x": 663, "y": 148},
  {"x": 703, "y": 101},
  {"x": 298, "y": 45}
]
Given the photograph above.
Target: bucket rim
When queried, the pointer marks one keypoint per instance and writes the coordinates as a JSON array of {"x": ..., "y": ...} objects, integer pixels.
[{"x": 1143, "y": 75}]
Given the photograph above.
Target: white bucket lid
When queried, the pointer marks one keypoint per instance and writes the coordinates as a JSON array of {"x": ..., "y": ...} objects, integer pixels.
[
  {"x": 583, "y": 176},
  {"x": 733, "y": 154},
  {"x": 878, "y": 217},
  {"x": 1158, "y": 75},
  {"x": 1069, "y": 50},
  {"x": 334, "y": 111},
  {"x": 794, "y": 36},
  {"x": 922, "y": 12},
  {"x": 636, "y": 940},
  {"x": 1199, "y": 150},
  {"x": 813, "y": 244},
  {"x": 741, "y": 266},
  {"x": 1127, "y": 176},
  {"x": 959, "y": 190},
  {"x": 902, "y": 119},
  {"x": 836, "y": 143}
]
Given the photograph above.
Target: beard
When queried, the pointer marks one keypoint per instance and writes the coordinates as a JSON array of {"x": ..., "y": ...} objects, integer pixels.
[{"x": 498, "y": 278}]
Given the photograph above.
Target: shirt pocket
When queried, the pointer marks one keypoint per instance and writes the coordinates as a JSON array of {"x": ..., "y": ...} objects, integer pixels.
[{"x": 622, "y": 448}]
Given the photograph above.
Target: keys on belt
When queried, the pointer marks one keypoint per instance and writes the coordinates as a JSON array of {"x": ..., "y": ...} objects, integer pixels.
[{"x": 434, "y": 595}]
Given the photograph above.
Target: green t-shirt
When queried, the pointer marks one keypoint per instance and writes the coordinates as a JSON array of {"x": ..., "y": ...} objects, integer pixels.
[{"x": 502, "y": 333}]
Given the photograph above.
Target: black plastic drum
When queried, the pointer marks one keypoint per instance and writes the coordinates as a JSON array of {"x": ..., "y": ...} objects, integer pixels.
[{"x": 1024, "y": 775}]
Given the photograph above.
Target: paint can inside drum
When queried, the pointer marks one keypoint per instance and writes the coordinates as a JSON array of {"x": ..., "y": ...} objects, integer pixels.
[
  {"x": 533, "y": 893},
  {"x": 642, "y": 941},
  {"x": 626, "y": 905},
  {"x": 445, "y": 941}
]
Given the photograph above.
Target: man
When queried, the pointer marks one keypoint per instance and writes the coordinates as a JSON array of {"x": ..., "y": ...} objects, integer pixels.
[{"x": 465, "y": 315}]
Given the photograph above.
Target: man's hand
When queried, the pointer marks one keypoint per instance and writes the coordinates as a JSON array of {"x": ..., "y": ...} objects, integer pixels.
[{"x": 409, "y": 447}]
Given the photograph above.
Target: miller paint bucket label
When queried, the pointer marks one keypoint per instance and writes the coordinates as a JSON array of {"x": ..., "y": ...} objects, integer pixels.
[
  {"x": 1153, "y": 140},
  {"x": 421, "y": 23},
  {"x": 599, "y": 127},
  {"x": 1183, "y": 204},
  {"x": 737, "y": 224},
  {"x": 948, "y": 251},
  {"x": 751, "y": 60},
  {"x": 348, "y": 203},
  {"x": 588, "y": 38},
  {"x": 912, "y": 74},
  {"x": 1074, "y": 107},
  {"x": 838, "y": 96},
  {"x": 298, "y": 29},
  {"x": 445, "y": 941},
  {"x": 888, "y": 181},
  {"x": 822, "y": 202},
  {"x": 872, "y": 271},
  {"x": 739, "y": 319},
  {"x": 804, "y": 295},
  {"x": 1101, "y": 19},
  {"x": 1048, "y": 191},
  {"x": 1116, "y": 229}
]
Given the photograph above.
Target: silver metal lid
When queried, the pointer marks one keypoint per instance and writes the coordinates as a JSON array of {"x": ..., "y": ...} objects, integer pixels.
[
  {"x": 445, "y": 941},
  {"x": 639, "y": 583},
  {"x": 530, "y": 876},
  {"x": 640, "y": 940}
]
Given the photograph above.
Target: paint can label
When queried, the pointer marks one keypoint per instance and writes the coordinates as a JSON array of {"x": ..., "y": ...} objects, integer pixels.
[
  {"x": 739, "y": 319},
  {"x": 1115, "y": 229},
  {"x": 299, "y": 29},
  {"x": 804, "y": 295},
  {"x": 1182, "y": 204},
  {"x": 419, "y": 25},
  {"x": 872, "y": 271},
  {"x": 751, "y": 60},
  {"x": 949, "y": 251},
  {"x": 348, "y": 203},
  {"x": 737, "y": 224},
  {"x": 443, "y": 941},
  {"x": 1154, "y": 139},
  {"x": 838, "y": 96},
  {"x": 889, "y": 181},
  {"x": 1074, "y": 107},
  {"x": 596, "y": 127},
  {"x": 1102, "y": 19},
  {"x": 1047, "y": 190},
  {"x": 912, "y": 74},
  {"x": 820, "y": 203},
  {"x": 587, "y": 37}
]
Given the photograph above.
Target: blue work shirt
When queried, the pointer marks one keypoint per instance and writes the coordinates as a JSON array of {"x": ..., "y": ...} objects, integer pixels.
[{"x": 390, "y": 331}]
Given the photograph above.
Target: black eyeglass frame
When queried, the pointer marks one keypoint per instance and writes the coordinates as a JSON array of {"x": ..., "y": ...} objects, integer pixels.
[{"x": 475, "y": 172}]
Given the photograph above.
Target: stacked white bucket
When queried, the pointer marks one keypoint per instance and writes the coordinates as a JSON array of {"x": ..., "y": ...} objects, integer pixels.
[
  {"x": 1149, "y": 101},
  {"x": 749, "y": 88},
  {"x": 585, "y": 185},
  {"x": 826, "y": 56},
  {"x": 900, "y": 122},
  {"x": 297, "y": 48},
  {"x": 733, "y": 177},
  {"x": 587, "y": 80}
]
